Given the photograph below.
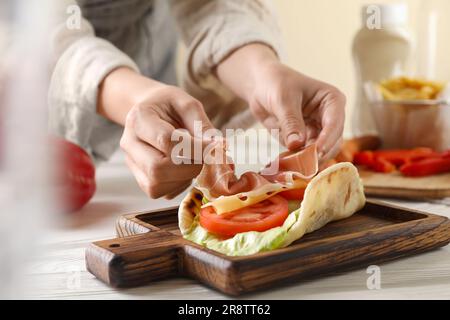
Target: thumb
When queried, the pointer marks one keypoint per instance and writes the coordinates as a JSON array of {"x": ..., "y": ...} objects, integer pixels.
[
  {"x": 193, "y": 116},
  {"x": 292, "y": 129}
]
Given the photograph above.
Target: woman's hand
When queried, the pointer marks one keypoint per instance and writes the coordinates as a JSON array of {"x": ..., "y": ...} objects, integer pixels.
[
  {"x": 156, "y": 111},
  {"x": 303, "y": 109}
]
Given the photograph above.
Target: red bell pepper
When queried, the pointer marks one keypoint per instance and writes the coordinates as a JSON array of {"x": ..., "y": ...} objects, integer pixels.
[
  {"x": 378, "y": 164},
  {"x": 400, "y": 157},
  {"x": 426, "y": 167},
  {"x": 446, "y": 154},
  {"x": 364, "y": 158},
  {"x": 414, "y": 163},
  {"x": 382, "y": 165}
]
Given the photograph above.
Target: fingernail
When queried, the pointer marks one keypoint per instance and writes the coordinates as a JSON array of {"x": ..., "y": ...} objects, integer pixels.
[{"x": 294, "y": 138}]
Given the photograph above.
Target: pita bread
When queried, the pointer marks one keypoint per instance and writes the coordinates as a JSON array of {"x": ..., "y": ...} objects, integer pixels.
[{"x": 334, "y": 194}]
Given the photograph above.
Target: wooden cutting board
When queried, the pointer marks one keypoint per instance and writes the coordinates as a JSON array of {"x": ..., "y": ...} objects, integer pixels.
[
  {"x": 150, "y": 247},
  {"x": 394, "y": 185}
]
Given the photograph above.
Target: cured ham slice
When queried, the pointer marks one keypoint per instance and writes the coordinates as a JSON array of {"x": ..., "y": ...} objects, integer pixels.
[
  {"x": 302, "y": 164},
  {"x": 226, "y": 192}
]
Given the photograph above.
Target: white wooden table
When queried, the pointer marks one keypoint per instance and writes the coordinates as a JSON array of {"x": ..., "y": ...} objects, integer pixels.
[{"x": 58, "y": 269}]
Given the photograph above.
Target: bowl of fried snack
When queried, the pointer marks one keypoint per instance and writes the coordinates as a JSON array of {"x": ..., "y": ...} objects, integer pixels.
[{"x": 411, "y": 112}]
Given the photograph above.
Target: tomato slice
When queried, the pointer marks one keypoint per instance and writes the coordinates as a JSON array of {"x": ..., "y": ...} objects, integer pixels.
[
  {"x": 294, "y": 194},
  {"x": 262, "y": 216}
]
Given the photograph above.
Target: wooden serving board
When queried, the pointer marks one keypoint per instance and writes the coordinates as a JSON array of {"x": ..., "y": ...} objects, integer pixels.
[
  {"x": 150, "y": 247},
  {"x": 394, "y": 185}
]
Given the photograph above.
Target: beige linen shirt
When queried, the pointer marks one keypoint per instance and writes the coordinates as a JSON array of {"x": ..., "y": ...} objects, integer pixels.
[{"x": 142, "y": 35}]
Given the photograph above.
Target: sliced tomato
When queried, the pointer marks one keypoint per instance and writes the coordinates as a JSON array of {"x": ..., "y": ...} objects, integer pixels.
[
  {"x": 262, "y": 216},
  {"x": 294, "y": 194}
]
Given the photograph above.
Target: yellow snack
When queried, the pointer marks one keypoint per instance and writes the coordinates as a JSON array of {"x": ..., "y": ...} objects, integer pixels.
[{"x": 404, "y": 88}]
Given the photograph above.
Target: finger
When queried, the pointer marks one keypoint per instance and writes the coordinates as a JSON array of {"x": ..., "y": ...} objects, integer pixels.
[
  {"x": 181, "y": 172},
  {"x": 291, "y": 124},
  {"x": 164, "y": 189},
  {"x": 193, "y": 115},
  {"x": 333, "y": 152},
  {"x": 142, "y": 154},
  {"x": 150, "y": 128},
  {"x": 312, "y": 132},
  {"x": 271, "y": 123},
  {"x": 348, "y": 149},
  {"x": 188, "y": 149},
  {"x": 326, "y": 164},
  {"x": 344, "y": 156},
  {"x": 259, "y": 111},
  {"x": 138, "y": 174},
  {"x": 332, "y": 123},
  {"x": 165, "y": 137},
  {"x": 157, "y": 166},
  {"x": 179, "y": 190},
  {"x": 152, "y": 189}
]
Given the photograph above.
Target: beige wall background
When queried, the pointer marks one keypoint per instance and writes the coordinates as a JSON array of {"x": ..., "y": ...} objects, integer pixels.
[{"x": 319, "y": 34}]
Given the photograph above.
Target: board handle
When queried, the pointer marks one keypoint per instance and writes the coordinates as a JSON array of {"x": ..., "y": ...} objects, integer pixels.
[{"x": 136, "y": 260}]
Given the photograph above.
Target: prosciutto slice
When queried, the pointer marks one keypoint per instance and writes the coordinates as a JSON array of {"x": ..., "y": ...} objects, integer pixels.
[{"x": 220, "y": 179}]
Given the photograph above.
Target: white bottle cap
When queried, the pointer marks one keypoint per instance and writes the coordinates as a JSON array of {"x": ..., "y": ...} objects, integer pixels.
[{"x": 395, "y": 14}]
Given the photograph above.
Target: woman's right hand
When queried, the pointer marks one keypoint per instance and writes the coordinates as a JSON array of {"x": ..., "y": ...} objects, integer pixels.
[{"x": 147, "y": 139}]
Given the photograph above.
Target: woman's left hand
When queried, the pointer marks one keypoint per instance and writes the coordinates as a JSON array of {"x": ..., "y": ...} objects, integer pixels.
[{"x": 302, "y": 108}]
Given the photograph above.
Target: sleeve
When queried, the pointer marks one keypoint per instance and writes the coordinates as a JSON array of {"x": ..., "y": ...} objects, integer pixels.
[
  {"x": 211, "y": 30},
  {"x": 81, "y": 62}
]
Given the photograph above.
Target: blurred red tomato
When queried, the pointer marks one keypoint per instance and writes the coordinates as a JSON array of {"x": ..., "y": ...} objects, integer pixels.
[{"x": 75, "y": 174}]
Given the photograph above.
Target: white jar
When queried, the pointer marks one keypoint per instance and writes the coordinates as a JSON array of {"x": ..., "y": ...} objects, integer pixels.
[{"x": 382, "y": 48}]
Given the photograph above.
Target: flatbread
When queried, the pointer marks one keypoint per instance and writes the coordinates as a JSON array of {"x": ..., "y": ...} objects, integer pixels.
[{"x": 334, "y": 194}]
